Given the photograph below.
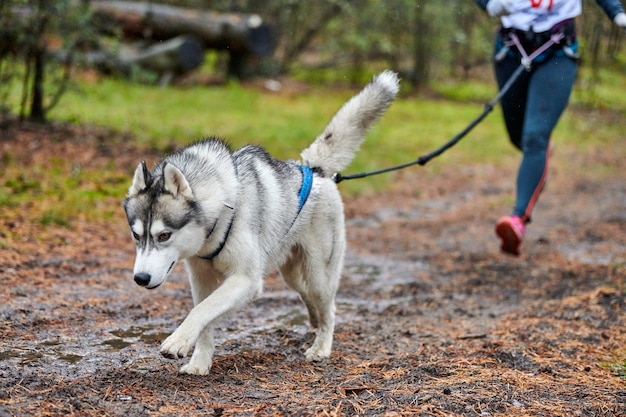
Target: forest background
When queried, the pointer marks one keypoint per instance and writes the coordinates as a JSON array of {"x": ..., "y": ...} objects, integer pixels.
[{"x": 431, "y": 44}]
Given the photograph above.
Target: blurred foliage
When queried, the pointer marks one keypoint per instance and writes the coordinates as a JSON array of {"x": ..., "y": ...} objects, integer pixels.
[
  {"x": 329, "y": 40},
  {"x": 423, "y": 40},
  {"x": 29, "y": 29}
]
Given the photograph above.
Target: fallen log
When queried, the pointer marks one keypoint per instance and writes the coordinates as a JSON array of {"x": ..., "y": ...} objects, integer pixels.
[
  {"x": 237, "y": 33},
  {"x": 178, "y": 55},
  {"x": 168, "y": 59}
]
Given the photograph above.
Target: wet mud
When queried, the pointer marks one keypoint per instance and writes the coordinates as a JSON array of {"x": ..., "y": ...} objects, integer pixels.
[{"x": 432, "y": 319}]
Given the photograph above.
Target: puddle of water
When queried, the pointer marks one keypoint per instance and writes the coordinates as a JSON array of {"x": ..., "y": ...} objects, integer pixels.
[
  {"x": 133, "y": 331},
  {"x": 115, "y": 344},
  {"x": 152, "y": 338},
  {"x": 126, "y": 337},
  {"x": 50, "y": 349},
  {"x": 30, "y": 357}
]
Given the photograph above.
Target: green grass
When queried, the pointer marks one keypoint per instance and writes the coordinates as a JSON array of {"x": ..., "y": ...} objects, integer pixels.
[{"x": 285, "y": 123}]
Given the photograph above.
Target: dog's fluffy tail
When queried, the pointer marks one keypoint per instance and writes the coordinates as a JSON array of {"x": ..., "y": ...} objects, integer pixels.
[{"x": 335, "y": 147}]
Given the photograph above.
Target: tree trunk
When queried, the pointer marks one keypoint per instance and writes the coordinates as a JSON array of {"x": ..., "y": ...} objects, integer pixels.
[
  {"x": 421, "y": 51},
  {"x": 37, "y": 111},
  {"x": 36, "y": 54},
  {"x": 232, "y": 32}
]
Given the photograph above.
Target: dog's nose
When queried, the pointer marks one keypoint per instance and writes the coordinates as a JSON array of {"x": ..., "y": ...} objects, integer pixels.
[{"x": 142, "y": 279}]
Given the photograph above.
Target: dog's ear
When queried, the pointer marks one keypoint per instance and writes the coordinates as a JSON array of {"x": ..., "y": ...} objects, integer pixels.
[
  {"x": 175, "y": 182},
  {"x": 141, "y": 180}
]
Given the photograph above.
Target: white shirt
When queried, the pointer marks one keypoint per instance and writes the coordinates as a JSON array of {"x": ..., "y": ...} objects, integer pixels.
[{"x": 541, "y": 15}]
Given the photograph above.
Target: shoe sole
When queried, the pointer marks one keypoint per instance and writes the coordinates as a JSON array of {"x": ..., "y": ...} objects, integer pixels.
[{"x": 511, "y": 240}]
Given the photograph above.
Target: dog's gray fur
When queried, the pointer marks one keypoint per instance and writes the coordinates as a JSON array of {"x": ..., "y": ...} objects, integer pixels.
[{"x": 234, "y": 217}]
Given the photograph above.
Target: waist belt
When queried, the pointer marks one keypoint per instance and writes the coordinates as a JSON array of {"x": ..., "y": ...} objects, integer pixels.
[
  {"x": 537, "y": 47},
  {"x": 531, "y": 40}
]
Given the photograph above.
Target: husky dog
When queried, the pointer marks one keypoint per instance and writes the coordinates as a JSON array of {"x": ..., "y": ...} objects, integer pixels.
[{"x": 233, "y": 217}]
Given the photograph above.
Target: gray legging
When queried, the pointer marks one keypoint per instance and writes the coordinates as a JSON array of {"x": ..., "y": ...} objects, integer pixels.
[{"x": 531, "y": 109}]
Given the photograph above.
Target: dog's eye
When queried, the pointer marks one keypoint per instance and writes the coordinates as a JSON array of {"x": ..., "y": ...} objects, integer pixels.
[
  {"x": 136, "y": 236},
  {"x": 164, "y": 237}
]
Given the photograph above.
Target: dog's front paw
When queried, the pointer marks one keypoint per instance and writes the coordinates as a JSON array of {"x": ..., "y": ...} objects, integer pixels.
[
  {"x": 316, "y": 354},
  {"x": 177, "y": 345},
  {"x": 191, "y": 369}
]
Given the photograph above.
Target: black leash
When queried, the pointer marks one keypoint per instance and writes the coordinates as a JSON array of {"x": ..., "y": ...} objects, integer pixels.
[{"x": 423, "y": 160}]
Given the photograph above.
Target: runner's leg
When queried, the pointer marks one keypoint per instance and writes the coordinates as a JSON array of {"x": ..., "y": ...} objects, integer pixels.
[
  {"x": 513, "y": 103},
  {"x": 548, "y": 93}
]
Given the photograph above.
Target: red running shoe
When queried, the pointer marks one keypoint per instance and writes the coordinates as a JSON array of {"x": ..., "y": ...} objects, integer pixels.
[{"x": 511, "y": 230}]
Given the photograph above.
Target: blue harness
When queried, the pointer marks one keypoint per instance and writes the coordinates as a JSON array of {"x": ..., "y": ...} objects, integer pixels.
[{"x": 307, "y": 183}]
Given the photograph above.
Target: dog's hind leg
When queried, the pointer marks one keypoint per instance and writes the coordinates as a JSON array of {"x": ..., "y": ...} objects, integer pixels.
[
  {"x": 323, "y": 343},
  {"x": 322, "y": 285},
  {"x": 293, "y": 274},
  {"x": 316, "y": 278}
]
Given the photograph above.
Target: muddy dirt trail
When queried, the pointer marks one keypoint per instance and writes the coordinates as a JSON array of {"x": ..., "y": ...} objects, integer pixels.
[{"x": 432, "y": 319}]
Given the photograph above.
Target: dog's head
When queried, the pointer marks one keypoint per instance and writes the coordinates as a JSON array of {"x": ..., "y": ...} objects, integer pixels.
[{"x": 163, "y": 217}]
